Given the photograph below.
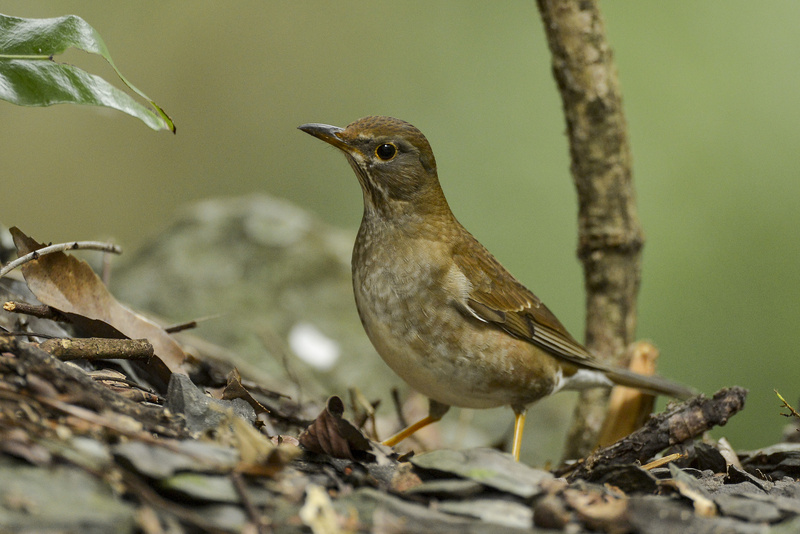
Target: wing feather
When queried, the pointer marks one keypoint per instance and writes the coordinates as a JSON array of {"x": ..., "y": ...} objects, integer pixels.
[{"x": 498, "y": 298}]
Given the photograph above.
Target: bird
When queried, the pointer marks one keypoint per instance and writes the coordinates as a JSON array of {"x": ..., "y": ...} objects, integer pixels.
[{"x": 439, "y": 309}]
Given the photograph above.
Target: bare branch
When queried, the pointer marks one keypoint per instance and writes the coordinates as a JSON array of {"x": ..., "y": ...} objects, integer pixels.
[
  {"x": 784, "y": 404},
  {"x": 42, "y": 311},
  {"x": 94, "y": 348},
  {"x": 61, "y": 247},
  {"x": 678, "y": 424},
  {"x": 610, "y": 237}
]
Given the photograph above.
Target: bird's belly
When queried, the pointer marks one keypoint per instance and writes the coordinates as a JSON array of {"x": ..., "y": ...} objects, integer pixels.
[{"x": 447, "y": 356}]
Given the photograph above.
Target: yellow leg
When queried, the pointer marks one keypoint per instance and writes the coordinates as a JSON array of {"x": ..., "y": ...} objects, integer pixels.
[
  {"x": 519, "y": 426},
  {"x": 436, "y": 411},
  {"x": 407, "y": 431}
]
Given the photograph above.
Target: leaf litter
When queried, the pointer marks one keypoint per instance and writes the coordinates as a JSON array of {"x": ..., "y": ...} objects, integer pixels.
[{"x": 155, "y": 445}]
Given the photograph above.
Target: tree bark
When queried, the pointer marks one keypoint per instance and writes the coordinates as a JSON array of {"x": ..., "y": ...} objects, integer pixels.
[{"x": 610, "y": 237}]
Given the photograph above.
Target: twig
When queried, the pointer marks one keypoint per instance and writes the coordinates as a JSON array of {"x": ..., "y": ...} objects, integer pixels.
[
  {"x": 610, "y": 236},
  {"x": 363, "y": 411},
  {"x": 95, "y": 348},
  {"x": 398, "y": 408},
  {"x": 42, "y": 311},
  {"x": 60, "y": 247},
  {"x": 665, "y": 460},
  {"x": 792, "y": 411},
  {"x": 252, "y": 512},
  {"x": 145, "y": 494},
  {"x": 188, "y": 325},
  {"x": 681, "y": 423},
  {"x": 255, "y": 387},
  {"x": 7, "y": 332}
]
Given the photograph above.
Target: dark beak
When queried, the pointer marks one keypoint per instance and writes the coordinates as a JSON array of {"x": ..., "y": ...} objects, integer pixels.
[{"x": 327, "y": 133}]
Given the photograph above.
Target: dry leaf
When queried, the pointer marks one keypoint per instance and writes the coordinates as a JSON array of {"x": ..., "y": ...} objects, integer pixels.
[
  {"x": 688, "y": 486},
  {"x": 68, "y": 284},
  {"x": 598, "y": 510},
  {"x": 235, "y": 390},
  {"x": 258, "y": 454},
  {"x": 318, "y": 513},
  {"x": 331, "y": 434}
]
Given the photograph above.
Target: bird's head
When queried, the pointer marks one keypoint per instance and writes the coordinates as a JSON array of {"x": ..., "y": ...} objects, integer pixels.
[{"x": 393, "y": 161}]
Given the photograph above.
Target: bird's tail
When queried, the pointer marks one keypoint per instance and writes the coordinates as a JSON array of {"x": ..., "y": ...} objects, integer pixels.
[{"x": 651, "y": 384}]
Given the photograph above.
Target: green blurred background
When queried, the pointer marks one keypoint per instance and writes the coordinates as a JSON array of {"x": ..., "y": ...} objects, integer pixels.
[{"x": 711, "y": 95}]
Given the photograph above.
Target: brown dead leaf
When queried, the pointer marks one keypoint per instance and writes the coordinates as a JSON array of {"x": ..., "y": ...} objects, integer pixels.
[
  {"x": 68, "y": 284},
  {"x": 18, "y": 443},
  {"x": 235, "y": 390},
  {"x": 688, "y": 486},
  {"x": 599, "y": 511},
  {"x": 258, "y": 454},
  {"x": 333, "y": 435}
]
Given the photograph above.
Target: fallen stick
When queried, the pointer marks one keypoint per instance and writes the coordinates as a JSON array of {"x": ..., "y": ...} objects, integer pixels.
[{"x": 679, "y": 423}]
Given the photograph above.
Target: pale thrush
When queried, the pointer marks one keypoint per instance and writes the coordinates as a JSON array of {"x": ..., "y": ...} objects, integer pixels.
[{"x": 438, "y": 307}]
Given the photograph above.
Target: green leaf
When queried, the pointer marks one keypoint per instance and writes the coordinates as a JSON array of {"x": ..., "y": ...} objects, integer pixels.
[{"x": 30, "y": 77}]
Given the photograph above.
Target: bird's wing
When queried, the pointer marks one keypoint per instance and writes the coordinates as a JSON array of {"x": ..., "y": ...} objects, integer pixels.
[{"x": 496, "y": 297}]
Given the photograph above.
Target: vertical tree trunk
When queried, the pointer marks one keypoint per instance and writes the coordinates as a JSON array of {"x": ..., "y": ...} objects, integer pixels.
[{"x": 610, "y": 237}]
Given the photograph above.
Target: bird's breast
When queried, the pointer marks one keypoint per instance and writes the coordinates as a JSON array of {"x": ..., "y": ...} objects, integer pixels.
[{"x": 406, "y": 293}]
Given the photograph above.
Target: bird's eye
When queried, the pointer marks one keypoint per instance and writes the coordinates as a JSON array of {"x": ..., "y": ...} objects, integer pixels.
[{"x": 386, "y": 151}]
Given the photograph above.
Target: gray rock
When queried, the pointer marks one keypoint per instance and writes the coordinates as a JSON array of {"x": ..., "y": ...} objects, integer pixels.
[
  {"x": 488, "y": 467},
  {"x": 60, "y": 499},
  {"x": 750, "y": 510},
  {"x": 658, "y": 515},
  {"x": 159, "y": 462},
  {"x": 202, "y": 412},
  {"x": 386, "y": 513},
  {"x": 496, "y": 511},
  {"x": 275, "y": 279}
]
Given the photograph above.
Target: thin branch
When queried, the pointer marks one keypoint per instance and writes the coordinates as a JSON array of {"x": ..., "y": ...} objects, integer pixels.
[
  {"x": 188, "y": 325},
  {"x": 610, "y": 237},
  {"x": 145, "y": 494},
  {"x": 398, "y": 408},
  {"x": 252, "y": 512},
  {"x": 792, "y": 411},
  {"x": 60, "y": 247},
  {"x": 42, "y": 311},
  {"x": 680, "y": 423},
  {"x": 94, "y": 348},
  {"x": 664, "y": 460}
]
